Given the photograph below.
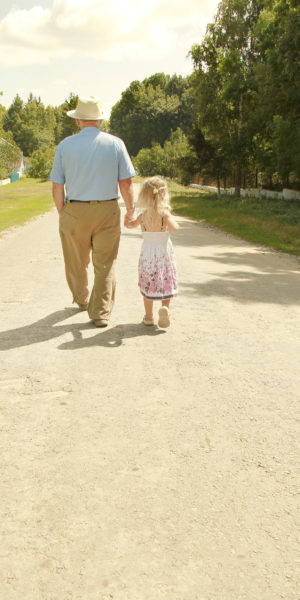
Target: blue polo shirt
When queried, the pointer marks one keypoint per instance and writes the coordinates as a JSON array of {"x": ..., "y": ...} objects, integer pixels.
[{"x": 90, "y": 164}]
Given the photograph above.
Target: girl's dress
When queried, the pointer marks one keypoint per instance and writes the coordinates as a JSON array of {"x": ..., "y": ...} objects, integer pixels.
[{"x": 157, "y": 266}]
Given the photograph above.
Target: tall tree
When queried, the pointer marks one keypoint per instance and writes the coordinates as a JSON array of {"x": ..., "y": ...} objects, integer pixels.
[
  {"x": 65, "y": 125},
  {"x": 278, "y": 90},
  {"x": 31, "y": 124},
  {"x": 13, "y": 118},
  {"x": 150, "y": 110},
  {"x": 224, "y": 85}
]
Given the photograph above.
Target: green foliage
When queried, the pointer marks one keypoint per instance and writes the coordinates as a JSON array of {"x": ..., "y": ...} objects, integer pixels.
[
  {"x": 171, "y": 160},
  {"x": 41, "y": 163},
  {"x": 2, "y": 115},
  {"x": 105, "y": 126},
  {"x": 150, "y": 161},
  {"x": 32, "y": 124},
  {"x": 246, "y": 84},
  {"x": 278, "y": 84},
  {"x": 149, "y": 110},
  {"x": 65, "y": 126},
  {"x": 223, "y": 86},
  {"x": 10, "y": 155},
  {"x": 236, "y": 119}
]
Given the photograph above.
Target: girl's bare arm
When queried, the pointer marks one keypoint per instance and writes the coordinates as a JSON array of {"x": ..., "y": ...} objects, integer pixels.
[{"x": 171, "y": 223}]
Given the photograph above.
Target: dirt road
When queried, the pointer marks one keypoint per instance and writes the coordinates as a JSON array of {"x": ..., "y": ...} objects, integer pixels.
[{"x": 142, "y": 464}]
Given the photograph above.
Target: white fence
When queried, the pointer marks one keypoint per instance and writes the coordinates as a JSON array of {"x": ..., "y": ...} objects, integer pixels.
[
  {"x": 253, "y": 192},
  {"x": 4, "y": 181}
]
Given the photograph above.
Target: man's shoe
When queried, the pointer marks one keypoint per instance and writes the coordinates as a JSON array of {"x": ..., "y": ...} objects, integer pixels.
[{"x": 100, "y": 322}]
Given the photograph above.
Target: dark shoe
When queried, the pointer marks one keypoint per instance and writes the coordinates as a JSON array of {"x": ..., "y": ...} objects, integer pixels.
[{"x": 100, "y": 322}]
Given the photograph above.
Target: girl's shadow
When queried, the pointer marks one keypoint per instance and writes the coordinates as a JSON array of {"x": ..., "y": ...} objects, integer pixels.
[{"x": 47, "y": 328}]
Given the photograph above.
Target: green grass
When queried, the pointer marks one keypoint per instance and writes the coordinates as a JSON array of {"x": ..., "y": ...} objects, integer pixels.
[
  {"x": 22, "y": 200},
  {"x": 272, "y": 223}
]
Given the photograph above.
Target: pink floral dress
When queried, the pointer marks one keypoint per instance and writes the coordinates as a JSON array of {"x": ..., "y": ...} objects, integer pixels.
[{"x": 157, "y": 266}]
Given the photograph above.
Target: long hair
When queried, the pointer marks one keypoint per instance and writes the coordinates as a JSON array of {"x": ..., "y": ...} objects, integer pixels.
[{"x": 154, "y": 197}]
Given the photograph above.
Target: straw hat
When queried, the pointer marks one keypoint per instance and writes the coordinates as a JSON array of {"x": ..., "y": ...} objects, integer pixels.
[{"x": 88, "y": 109}]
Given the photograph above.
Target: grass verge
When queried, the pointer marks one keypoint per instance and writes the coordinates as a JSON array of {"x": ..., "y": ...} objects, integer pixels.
[
  {"x": 272, "y": 223},
  {"x": 22, "y": 200}
]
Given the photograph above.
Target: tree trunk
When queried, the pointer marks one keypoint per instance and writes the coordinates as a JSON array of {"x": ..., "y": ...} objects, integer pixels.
[
  {"x": 238, "y": 185},
  {"x": 219, "y": 184}
]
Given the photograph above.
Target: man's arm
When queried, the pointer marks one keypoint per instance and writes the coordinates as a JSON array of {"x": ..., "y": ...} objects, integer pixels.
[
  {"x": 126, "y": 189},
  {"x": 58, "y": 193}
]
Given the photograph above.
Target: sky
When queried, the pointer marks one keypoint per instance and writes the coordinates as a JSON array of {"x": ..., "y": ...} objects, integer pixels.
[{"x": 95, "y": 47}]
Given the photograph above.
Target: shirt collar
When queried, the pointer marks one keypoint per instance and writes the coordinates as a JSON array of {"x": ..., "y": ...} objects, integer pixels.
[{"x": 89, "y": 130}]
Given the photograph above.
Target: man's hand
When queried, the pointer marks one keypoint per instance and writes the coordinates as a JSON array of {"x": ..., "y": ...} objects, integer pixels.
[
  {"x": 129, "y": 216},
  {"x": 126, "y": 189},
  {"x": 58, "y": 193}
]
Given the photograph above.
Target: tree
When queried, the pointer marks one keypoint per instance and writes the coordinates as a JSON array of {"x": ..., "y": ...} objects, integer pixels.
[
  {"x": 66, "y": 126},
  {"x": 223, "y": 84},
  {"x": 149, "y": 110},
  {"x": 173, "y": 160},
  {"x": 31, "y": 124},
  {"x": 278, "y": 90},
  {"x": 13, "y": 117},
  {"x": 10, "y": 155},
  {"x": 41, "y": 163}
]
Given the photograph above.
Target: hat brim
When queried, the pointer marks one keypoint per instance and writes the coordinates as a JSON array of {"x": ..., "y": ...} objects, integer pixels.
[
  {"x": 74, "y": 115},
  {"x": 71, "y": 113}
]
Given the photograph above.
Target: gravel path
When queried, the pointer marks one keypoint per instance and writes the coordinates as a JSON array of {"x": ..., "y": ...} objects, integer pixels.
[{"x": 142, "y": 464}]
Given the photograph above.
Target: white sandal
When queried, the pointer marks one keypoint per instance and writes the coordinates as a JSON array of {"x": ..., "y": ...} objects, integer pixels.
[
  {"x": 163, "y": 317},
  {"x": 148, "y": 322}
]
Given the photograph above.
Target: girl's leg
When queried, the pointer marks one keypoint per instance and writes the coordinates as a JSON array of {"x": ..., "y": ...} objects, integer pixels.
[
  {"x": 166, "y": 303},
  {"x": 148, "y": 309}
]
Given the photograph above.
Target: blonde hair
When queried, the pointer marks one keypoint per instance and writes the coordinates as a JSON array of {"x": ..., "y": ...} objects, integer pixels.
[{"x": 154, "y": 197}]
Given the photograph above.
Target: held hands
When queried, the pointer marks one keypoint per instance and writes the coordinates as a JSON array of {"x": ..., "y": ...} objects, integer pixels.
[{"x": 129, "y": 217}]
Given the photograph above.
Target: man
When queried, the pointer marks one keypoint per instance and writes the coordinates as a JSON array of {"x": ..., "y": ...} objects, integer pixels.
[{"x": 86, "y": 172}]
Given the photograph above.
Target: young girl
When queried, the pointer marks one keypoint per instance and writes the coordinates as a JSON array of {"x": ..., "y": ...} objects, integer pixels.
[{"x": 157, "y": 267}]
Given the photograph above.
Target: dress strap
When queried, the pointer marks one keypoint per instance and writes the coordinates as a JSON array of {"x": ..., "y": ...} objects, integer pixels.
[{"x": 162, "y": 224}]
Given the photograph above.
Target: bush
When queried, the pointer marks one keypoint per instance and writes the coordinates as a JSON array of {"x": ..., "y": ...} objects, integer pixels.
[
  {"x": 150, "y": 161},
  {"x": 41, "y": 163},
  {"x": 173, "y": 160}
]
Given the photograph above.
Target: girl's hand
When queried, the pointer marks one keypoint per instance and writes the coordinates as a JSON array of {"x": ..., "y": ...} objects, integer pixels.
[{"x": 131, "y": 223}]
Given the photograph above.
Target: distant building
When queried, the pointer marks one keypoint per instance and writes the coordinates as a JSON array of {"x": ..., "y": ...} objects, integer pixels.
[
  {"x": 18, "y": 170},
  {"x": 14, "y": 164}
]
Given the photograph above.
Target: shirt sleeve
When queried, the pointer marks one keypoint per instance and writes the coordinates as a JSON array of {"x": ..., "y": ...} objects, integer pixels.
[
  {"x": 125, "y": 166},
  {"x": 57, "y": 173}
]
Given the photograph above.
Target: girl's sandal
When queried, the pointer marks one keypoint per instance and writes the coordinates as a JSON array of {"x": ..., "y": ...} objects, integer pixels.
[
  {"x": 163, "y": 317},
  {"x": 148, "y": 322}
]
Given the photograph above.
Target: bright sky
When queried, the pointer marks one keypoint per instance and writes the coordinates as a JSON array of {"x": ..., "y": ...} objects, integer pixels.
[{"x": 95, "y": 47}]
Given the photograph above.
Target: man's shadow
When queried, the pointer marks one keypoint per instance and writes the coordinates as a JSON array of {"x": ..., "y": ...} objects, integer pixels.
[{"x": 47, "y": 329}]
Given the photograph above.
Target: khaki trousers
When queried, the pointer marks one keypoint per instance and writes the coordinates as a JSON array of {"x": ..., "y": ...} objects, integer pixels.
[{"x": 85, "y": 228}]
